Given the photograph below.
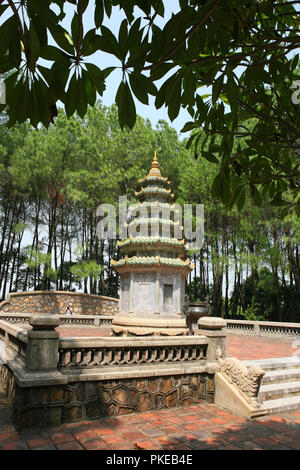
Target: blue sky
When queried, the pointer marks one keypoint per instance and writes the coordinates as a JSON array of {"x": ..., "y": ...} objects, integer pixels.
[{"x": 103, "y": 60}]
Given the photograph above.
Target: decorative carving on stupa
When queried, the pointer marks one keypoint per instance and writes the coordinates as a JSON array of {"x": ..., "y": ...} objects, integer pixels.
[{"x": 154, "y": 265}]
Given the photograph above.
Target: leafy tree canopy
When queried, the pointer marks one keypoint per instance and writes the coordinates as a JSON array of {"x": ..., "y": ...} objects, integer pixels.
[{"x": 243, "y": 51}]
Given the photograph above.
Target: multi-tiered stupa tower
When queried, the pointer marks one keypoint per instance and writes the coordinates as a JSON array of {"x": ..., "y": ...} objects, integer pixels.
[{"x": 153, "y": 270}]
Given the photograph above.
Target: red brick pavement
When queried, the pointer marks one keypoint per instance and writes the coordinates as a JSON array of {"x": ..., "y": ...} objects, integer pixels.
[
  {"x": 194, "y": 427},
  {"x": 190, "y": 428},
  {"x": 258, "y": 347}
]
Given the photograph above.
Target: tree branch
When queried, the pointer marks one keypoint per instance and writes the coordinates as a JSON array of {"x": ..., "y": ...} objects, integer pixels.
[
  {"x": 80, "y": 31},
  {"x": 187, "y": 35}
]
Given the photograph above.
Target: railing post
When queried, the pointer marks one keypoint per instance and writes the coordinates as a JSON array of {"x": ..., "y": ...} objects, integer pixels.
[
  {"x": 256, "y": 328},
  {"x": 42, "y": 343},
  {"x": 214, "y": 329}
]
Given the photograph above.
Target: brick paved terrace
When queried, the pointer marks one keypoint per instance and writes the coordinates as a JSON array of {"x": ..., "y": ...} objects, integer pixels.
[{"x": 194, "y": 427}]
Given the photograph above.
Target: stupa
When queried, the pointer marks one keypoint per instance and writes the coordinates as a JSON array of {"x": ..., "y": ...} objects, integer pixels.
[{"x": 153, "y": 269}]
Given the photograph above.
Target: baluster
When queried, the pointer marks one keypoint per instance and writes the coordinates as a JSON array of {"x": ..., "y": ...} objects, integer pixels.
[
  {"x": 100, "y": 356},
  {"x": 85, "y": 357},
  {"x": 73, "y": 357},
  {"x": 122, "y": 356},
  {"x": 64, "y": 358},
  {"x": 153, "y": 355}
]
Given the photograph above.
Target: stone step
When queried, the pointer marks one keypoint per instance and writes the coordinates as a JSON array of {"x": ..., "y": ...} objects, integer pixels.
[
  {"x": 281, "y": 375},
  {"x": 279, "y": 390},
  {"x": 280, "y": 387},
  {"x": 280, "y": 405},
  {"x": 278, "y": 363}
]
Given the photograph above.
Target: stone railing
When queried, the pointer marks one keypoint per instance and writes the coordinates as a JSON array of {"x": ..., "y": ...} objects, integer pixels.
[
  {"x": 43, "y": 350},
  {"x": 262, "y": 328},
  {"x": 14, "y": 338},
  {"x": 57, "y": 301},
  {"x": 52, "y": 380},
  {"x": 88, "y": 352},
  {"x": 83, "y": 320},
  {"x": 15, "y": 318}
]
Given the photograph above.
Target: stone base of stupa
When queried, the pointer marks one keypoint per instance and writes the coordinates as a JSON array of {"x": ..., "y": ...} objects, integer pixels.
[{"x": 145, "y": 326}]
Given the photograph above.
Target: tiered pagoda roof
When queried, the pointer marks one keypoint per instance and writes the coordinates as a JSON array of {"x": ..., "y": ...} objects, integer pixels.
[{"x": 158, "y": 250}]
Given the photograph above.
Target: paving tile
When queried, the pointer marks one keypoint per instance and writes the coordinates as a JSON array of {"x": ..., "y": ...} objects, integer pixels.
[
  {"x": 72, "y": 445},
  {"x": 103, "y": 430},
  {"x": 249, "y": 445},
  {"x": 76, "y": 427},
  {"x": 45, "y": 447},
  {"x": 15, "y": 445},
  {"x": 151, "y": 431},
  {"x": 177, "y": 447},
  {"x": 145, "y": 444},
  {"x": 236, "y": 437},
  {"x": 219, "y": 420},
  {"x": 281, "y": 438},
  {"x": 264, "y": 442},
  {"x": 190, "y": 427},
  {"x": 84, "y": 435},
  {"x": 124, "y": 446},
  {"x": 6, "y": 428},
  {"x": 170, "y": 429},
  {"x": 201, "y": 433},
  {"x": 279, "y": 447},
  {"x": 112, "y": 439},
  {"x": 230, "y": 447},
  {"x": 133, "y": 436},
  {"x": 9, "y": 436},
  {"x": 293, "y": 445},
  {"x": 294, "y": 433},
  {"x": 38, "y": 442},
  {"x": 96, "y": 444},
  {"x": 61, "y": 437}
]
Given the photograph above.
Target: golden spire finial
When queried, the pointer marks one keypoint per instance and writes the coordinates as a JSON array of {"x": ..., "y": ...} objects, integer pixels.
[{"x": 155, "y": 171}]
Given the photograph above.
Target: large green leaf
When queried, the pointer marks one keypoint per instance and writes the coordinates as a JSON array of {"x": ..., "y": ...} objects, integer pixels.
[
  {"x": 126, "y": 106},
  {"x": 141, "y": 87}
]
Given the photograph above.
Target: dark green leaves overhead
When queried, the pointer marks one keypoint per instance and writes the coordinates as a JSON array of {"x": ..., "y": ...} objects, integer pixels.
[{"x": 242, "y": 54}]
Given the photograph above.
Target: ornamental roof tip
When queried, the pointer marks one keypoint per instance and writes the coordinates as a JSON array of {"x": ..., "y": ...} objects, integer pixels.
[{"x": 154, "y": 170}]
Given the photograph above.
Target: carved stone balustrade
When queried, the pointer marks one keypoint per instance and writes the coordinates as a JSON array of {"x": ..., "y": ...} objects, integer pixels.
[{"x": 89, "y": 353}]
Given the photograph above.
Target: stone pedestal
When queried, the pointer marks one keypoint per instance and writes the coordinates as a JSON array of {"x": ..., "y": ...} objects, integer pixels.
[
  {"x": 139, "y": 326},
  {"x": 42, "y": 343},
  {"x": 214, "y": 329}
]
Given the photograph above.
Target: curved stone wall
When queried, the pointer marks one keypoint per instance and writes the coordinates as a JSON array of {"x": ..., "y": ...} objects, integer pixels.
[{"x": 57, "y": 301}]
